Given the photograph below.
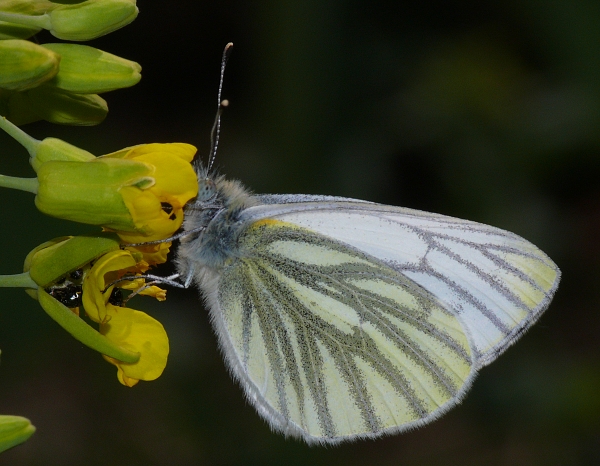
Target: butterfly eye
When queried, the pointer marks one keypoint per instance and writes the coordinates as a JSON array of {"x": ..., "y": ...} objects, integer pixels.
[{"x": 206, "y": 189}]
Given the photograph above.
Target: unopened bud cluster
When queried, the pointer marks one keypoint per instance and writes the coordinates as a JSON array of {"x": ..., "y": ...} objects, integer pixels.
[{"x": 60, "y": 82}]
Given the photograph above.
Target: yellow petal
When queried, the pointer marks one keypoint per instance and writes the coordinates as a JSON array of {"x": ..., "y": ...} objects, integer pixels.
[
  {"x": 175, "y": 178},
  {"x": 155, "y": 292},
  {"x": 128, "y": 382},
  {"x": 103, "y": 271},
  {"x": 152, "y": 254},
  {"x": 137, "y": 331},
  {"x": 157, "y": 209},
  {"x": 179, "y": 149}
]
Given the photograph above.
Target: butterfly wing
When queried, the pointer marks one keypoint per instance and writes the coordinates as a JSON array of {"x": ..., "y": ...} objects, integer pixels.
[
  {"x": 330, "y": 343},
  {"x": 497, "y": 282}
]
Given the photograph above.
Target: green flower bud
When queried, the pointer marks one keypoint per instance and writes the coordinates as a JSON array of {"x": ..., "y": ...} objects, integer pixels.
[
  {"x": 13, "y": 431},
  {"x": 66, "y": 108},
  {"x": 87, "y": 70},
  {"x": 27, "y": 7},
  {"x": 48, "y": 103},
  {"x": 15, "y": 107},
  {"x": 24, "y": 65},
  {"x": 91, "y": 19},
  {"x": 10, "y": 30},
  {"x": 16, "y": 31},
  {"x": 47, "y": 149},
  {"x": 80, "y": 21},
  {"x": 89, "y": 192}
]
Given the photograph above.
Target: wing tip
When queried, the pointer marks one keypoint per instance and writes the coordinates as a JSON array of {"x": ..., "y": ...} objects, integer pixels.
[{"x": 516, "y": 333}]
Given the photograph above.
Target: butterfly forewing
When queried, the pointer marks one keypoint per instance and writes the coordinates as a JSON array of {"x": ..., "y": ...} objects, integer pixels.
[
  {"x": 331, "y": 343},
  {"x": 497, "y": 282}
]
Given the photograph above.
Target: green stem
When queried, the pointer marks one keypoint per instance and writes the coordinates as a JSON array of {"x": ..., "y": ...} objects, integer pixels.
[
  {"x": 19, "y": 280},
  {"x": 37, "y": 21},
  {"x": 24, "y": 184},
  {"x": 81, "y": 331},
  {"x": 31, "y": 144}
]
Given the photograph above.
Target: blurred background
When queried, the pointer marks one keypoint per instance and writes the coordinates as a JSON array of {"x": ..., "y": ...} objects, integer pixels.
[{"x": 476, "y": 109}]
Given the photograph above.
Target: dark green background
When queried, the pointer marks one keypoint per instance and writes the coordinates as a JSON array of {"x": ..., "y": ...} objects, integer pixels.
[{"x": 477, "y": 109}]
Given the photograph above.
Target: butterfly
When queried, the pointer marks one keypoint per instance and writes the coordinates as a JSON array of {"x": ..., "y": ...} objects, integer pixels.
[{"x": 345, "y": 319}]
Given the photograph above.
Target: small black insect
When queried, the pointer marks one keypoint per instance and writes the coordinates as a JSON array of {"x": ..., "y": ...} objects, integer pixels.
[
  {"x": 67, "y": 294},
  {"x": 68, "y": 289}
]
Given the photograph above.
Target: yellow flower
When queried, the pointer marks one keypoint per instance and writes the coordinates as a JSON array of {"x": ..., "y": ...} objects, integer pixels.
[
  {"x": 139, "y": 192},
  {"x": 130, "y": 329},
  {"x": 157, "y": 208}
]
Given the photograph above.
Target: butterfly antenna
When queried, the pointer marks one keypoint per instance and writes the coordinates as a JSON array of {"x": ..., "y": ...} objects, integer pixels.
[{"x": 216, "y": 128}]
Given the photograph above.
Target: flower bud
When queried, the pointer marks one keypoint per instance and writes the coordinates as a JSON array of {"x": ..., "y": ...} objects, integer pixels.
[
  {"x": 79, "y": 21},
  {"x": 63, "y": 107},
  {"x": 16, "y": 31},
  {"x": 87, "y": 70},
  {"x": 16, "y": 108},
  {"x": 46, "y": 150},
  {"x": 24, "y": 65},
  {"x": 91, "y": 19},
  {"x": 9, "y": 30},
  {"x": 14, "y": 430}
]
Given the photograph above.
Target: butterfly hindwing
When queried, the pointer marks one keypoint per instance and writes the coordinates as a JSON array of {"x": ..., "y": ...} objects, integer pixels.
[
  {"x": 497, "y": 282},
  {"x": 331, "y": 343}
]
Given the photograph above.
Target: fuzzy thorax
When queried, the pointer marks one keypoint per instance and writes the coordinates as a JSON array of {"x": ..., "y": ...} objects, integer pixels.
[{"x": 220, "y": 218}]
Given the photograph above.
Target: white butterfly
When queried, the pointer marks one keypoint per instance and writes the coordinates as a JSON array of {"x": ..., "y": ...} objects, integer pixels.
[{"x": 346, "y": 319}]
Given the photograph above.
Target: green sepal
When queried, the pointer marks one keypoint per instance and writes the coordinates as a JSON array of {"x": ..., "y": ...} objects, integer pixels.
[
  {"x": 81, "y": 331},
  {"x": 25, "y": 65},
  {"x": 54, "y": 259},
  {"x": 57, "y": 149},
  {"x": 66, "y": 108},
  {"x": 87, "y": 70},
  {"x": 88, "y": 192},
  {"x": 14, "y": 430}
]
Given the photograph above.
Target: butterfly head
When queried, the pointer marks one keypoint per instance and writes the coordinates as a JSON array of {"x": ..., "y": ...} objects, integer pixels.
[{"x": 206, "y": 189}]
